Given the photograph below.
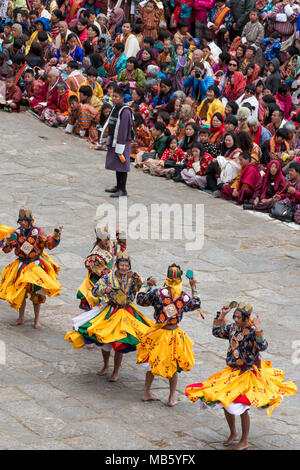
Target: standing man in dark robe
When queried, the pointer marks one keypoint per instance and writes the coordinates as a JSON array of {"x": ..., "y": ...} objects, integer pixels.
[{"x": 120, "y": 135}]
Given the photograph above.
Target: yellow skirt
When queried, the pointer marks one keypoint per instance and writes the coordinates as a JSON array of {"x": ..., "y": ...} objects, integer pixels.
[
  {"x": 263, "y": 387},
  {"x": 166, "y": 351},
  {"x": 112, "y": 326},
  {"x": 119, "y": 325},
  {"x": 85, "y": 291},
  {"x": 14, "y": 285}
]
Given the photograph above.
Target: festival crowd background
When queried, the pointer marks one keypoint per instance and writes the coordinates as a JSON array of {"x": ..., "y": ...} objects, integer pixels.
[{"x": 213, "y": 86}]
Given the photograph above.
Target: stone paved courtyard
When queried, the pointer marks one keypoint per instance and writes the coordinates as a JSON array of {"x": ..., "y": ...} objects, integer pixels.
[{"x": 51, "y": 397}]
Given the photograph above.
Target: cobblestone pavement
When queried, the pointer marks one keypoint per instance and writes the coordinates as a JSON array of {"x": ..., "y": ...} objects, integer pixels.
[{"x": 51, "y": 397}]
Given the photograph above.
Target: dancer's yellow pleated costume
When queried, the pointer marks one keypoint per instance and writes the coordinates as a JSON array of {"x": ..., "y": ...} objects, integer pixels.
[
  {"x": 28, "y": 275},
  {"x": 261, "y": 387}
]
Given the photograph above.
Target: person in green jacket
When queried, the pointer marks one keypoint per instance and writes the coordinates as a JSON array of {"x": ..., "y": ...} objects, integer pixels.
[
  {"x": 132, "y": 75},
  {"x": 145, "y": 159}
]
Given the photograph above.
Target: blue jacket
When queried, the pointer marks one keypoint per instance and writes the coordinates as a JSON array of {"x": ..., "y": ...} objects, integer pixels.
[{"x": 199, "y": 87}]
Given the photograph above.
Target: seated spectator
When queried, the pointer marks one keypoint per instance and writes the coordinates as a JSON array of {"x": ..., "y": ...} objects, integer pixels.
[
  {"x": 210, "y": 148},
  {"x": 276, "y": 147},
  {"x": 234, "y": 87},
  {"x": 118, "y": 61},
  {"x": 48, "y": 96},
  {"x": 217, "y": 129},
  {"x": 60, "y": 115},
  {"x": 76, "y": 52},
  {"x": 272, "y": 186},
  {"x": 82, "y": 120},
  {"x": 172, "y": 156},
  {"x": 272, "y": 46},
  {"x": 91, "y": 81},
  {"x": 243, "y": 187},
  {"x": 210, "y": 106},
  {"x": 74, "y": 77},
  {"x": 231, "y": 124},
  {"x": 191, "y": 135},
  {"x": 284, "y": 100},
  {"x": 35, "y": 58},
  {"x": 86, "y": 96},
  {"x": 257, "y": 132},
  {"x": 156, "y": 150},
  {"x": 132, "y": 75},
  {"x": 249, "y": 97},
  {"x": 231, "y": 109},
  {"x": 199, "y": 81},
  {"x": 292, "y": 192},
  {"x": 143, "y": 136},
  {"x": 13, "y": 94},
  {"x": 277, "y": 121},
  {"x": 195, "y": 173},
  {"x": 273, "y": 81},
  {"x": 33, "y": 87}
]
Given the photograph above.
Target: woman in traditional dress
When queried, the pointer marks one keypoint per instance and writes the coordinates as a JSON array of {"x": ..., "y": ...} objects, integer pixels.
[
  {"x": 165, "y": 349},
  {"x": 118, "y": 325},
  {"x": 98, "y": 263},
  {"x": 246, "y": 381},
  {"x": 34, "y": 272}
]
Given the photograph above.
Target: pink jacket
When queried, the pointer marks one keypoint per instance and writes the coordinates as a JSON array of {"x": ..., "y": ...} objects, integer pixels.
[{"x": 201, "y": 8}]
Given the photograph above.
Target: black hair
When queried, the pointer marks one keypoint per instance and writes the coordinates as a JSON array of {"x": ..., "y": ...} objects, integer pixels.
[
  {"x": 165, "y": 117},
  {"x": 199, "y": 146},
  {"x": 159, "y": 126},
  {"x": 215, "y": 89},
  {"x": 18, "y": 43},
  {"x": 283, "y": 133},
  {"x": 19, "y": 59},
  {"x": 71, "y": 36},
  {"x": 138, "y": 119},
  {"x": 42, "y": 36},
  {"x": 92, "y": 71},
  {"x": 170, "y": 139},
  {"x": 73, "y": 64},
  {"x": 83, "y": 21},
  {"x": 244, "y": 141},
  {"x": 141, "y": 92},
  {"x": 182, "y": 23},
  {"x": 295, "y": 166},
  {"x": 149, "y": 40},
  {"x": 73, "y": 98},
  {"x": 133, "y": 60},
  {"x": 268, "y": 99},
  {"x": 246, "y": 156},
  {"x": 251, "y": 48},
  {"x": 187, "y": 142},
  {"x": 119, "y": 46},
  {"x": 250, "y": 87},
  {"x": 118, "y": 90},
  {"x": 232, "y": 120},
  {"x": 204, "y": 130},
  {"x": 95, "y": 29},
  {"x": 225, "y": 57},
  {"x": 96, "y": 60},
  {"x": 65, "y": 48},
  {"x": 283, "y": 89},
  {"x": 280, "y": 112},
  {"x": 57, "y": 13},
  {"x": 224, "y": 149},
  {"x": 86, "y": 90},
  {"x": 30, "y": 71}
]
